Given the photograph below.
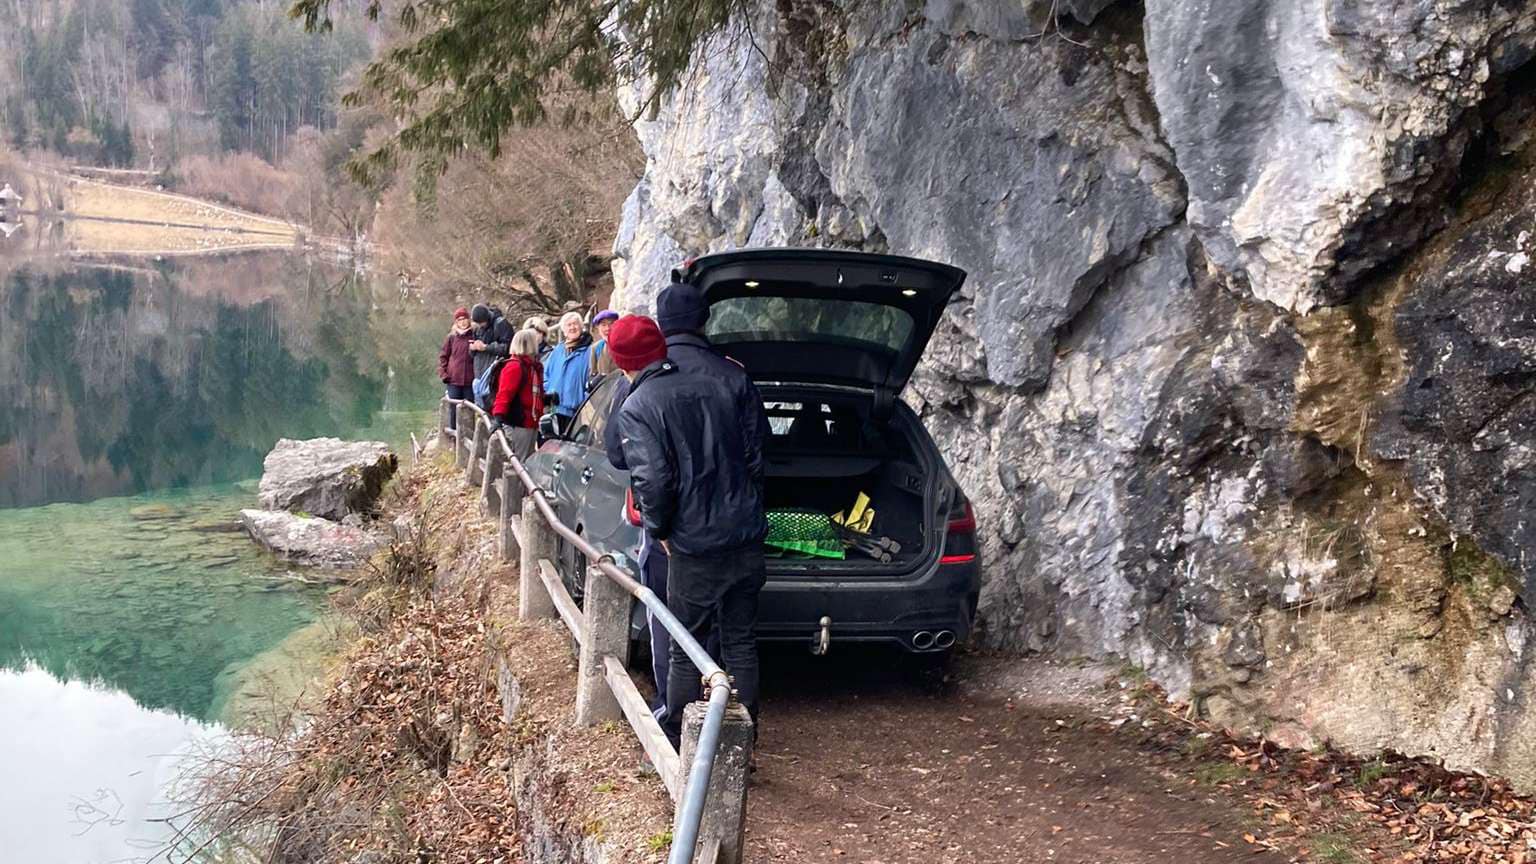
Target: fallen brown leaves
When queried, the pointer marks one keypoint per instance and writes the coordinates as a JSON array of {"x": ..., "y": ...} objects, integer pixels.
[
  {"x": 1324, "y": 805},
  {"x": 425, "y": 745},
  {"x": 405, "y": 758},
  {"x": 1430, "y": 814}
]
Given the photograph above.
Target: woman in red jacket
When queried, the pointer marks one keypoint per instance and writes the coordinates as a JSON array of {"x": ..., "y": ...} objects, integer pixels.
[
  {"x": 520, "y": 396},
  {"x": 455, "y": 363}
]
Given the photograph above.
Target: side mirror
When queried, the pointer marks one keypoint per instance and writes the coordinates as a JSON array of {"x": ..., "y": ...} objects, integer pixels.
[{"x": 549, "y": 427}]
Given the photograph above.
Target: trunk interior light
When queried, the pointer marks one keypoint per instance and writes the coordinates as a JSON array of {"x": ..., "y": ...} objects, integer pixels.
[
  {"x": 752, "y": 284},
  {"x": 908, "y": 292}
]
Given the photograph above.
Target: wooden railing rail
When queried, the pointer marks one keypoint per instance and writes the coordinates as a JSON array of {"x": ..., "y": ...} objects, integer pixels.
[{"x": 707, "y": 781}]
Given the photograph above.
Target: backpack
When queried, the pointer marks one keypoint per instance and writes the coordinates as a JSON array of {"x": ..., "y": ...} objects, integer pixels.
[
  {"x": 497, "y": 321},
  {"x": 485, "y": 386}
]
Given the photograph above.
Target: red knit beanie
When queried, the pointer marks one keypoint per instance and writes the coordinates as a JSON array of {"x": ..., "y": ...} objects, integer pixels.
[
  {"x": 460, "y": 312},
  {"x": 636, "y": 342}
]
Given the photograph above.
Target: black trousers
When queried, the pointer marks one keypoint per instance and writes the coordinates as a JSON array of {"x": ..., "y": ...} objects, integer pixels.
[
  {"x": 653, "y": 574},
  {"x": 707, "y": 594},
  {"x": 458, "y": 391}
]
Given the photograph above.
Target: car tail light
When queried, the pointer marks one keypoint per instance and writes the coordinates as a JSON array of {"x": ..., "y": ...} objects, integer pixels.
[
  {"x": 962, "y": 519},
  {"x": 631, "y": 512},
  {"x": 960, "y": 540}
]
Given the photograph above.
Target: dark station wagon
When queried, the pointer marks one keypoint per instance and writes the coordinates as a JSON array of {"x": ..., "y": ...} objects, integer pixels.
[{"x": 830, "y": 337}]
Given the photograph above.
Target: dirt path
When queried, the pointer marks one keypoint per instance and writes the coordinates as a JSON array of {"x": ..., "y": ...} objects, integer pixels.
[
  {"x": 1020, "y": 760},
  {"x": 892, "y": 771}
]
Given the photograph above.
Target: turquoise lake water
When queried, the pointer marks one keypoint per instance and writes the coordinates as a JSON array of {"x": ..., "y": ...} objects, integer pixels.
[{"x": 136, "y": 405}]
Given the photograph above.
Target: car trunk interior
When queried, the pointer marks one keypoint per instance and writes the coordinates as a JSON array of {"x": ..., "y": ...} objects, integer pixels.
[{"x": 823, "y": 452}]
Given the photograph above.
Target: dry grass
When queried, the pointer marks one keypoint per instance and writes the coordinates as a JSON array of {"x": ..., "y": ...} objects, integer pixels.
[
  {"x": 596, "y": 780},
  {"x": 119, "y": 219},
  {"x": 92, "y": 237},
  {"x": 104, "y": 200},
  {"x": 241, "y": 180},
  {"x": 407, "y": 757}
]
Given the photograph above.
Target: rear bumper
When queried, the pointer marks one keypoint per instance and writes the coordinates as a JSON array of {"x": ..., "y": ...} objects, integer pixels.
[{"x": 882, "y": 611}]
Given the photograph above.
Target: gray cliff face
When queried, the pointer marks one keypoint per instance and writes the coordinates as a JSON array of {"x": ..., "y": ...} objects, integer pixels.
[
  {"x": 1238, "y": 381},
  {"x": 1302, "y": 126},
  {"x": 1461, "y": 417},
  {"x": 996, "y": 140}
]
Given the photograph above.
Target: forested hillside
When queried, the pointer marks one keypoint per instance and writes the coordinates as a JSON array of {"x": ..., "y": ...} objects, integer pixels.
[
  {"x": 236, "y": 102},
  {"x": 148, "y": 82}
]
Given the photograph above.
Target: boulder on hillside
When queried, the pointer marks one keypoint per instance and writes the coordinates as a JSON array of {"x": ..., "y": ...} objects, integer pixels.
[
  {"x": 325, "y": 477},
  {"x": 307, "y": 540}
]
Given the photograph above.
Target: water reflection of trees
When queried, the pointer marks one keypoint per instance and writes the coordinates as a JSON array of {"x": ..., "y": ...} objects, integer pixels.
[{"x": 127, "y": 378}]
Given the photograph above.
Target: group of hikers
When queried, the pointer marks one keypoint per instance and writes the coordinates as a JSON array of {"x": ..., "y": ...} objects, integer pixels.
[
  {"x": 688, "y": 425},
  {"x": 516, "y": 376}
]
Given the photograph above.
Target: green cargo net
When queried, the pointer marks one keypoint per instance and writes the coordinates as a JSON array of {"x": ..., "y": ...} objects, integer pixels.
[{"x": 805, "y": 532}]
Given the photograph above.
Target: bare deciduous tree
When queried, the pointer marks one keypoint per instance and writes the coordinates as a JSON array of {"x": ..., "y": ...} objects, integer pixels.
[{"x": 533, "y": 227}]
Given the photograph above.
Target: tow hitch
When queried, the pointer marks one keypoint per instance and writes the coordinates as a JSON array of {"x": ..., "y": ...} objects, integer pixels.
[{"x": 821, "y": 640}]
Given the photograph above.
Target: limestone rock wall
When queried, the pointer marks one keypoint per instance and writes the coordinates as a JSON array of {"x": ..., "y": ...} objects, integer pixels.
[{"x": 1238, "y": 381}]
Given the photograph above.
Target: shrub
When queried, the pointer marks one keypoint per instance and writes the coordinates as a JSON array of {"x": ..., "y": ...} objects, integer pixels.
[{"x": 241, "y": 180}]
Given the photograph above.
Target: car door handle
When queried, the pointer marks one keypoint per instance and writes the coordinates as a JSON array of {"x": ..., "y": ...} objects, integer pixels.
[{"x": 586, "y": 475}]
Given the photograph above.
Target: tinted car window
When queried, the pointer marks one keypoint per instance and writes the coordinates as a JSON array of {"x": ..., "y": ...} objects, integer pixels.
[
  {"x": 592, "y": 417},
  {"x": 807, "y": 319},
  {"x": 815, "y": 426}
]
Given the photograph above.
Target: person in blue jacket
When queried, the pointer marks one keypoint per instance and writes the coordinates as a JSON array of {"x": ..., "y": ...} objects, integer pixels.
[
  {"x": 567, "y": 367},
  {"x": 602, "y": 322}
]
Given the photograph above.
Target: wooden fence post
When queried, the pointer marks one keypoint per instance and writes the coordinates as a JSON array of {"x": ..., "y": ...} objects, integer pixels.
[
  {"x": 444, "y": 417},
  {"x": 606, "y": 608},
  {"x": 533, "y": 600},
  {"x": 490, "y": 487},
  {"x": 465, "y": 437},
  {"x": 506, "y": 537},
  {"x": 475, "y": 468},
  {"x": 725, "y": 806}
]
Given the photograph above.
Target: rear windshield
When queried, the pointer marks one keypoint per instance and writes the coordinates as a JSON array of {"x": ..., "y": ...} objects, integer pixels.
[{"x": 808, "y": 319}]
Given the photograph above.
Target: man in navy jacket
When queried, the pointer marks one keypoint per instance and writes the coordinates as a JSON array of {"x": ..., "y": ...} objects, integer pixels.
[
  {"x": 681, "y": 314},
  {"x": 697, "y": 474}
]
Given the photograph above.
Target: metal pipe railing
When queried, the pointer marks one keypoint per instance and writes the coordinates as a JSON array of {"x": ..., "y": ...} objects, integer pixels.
[{"x": 691, "y": 807}]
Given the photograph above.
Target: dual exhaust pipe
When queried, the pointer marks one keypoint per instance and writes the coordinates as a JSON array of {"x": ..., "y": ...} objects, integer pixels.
[
  {"x": 925, "y": 640},
  {"x": 922, "y": 640}
]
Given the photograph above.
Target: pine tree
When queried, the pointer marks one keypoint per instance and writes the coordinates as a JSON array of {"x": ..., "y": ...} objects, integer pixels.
[
  {"x": 469, "y": 70},
  {"x": 155, "y": 36},
  {"x": 231, "y": 86}
]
